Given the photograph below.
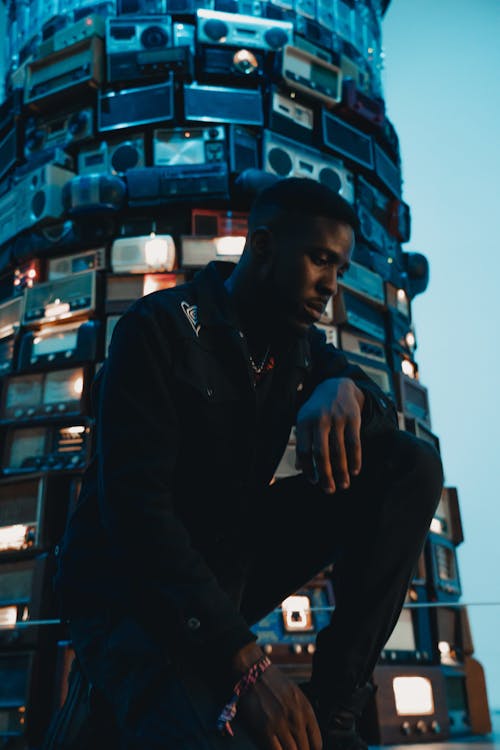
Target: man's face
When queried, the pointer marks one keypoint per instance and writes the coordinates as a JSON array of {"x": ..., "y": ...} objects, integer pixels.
[{"x": 307, "y": 259}]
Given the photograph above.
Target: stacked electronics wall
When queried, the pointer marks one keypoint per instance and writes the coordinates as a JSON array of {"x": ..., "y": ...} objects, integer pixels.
[{"x": 133, "y": 136}]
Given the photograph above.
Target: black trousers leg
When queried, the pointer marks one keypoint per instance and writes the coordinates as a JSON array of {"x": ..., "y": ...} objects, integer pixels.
[{"x": 374, "y": 532}]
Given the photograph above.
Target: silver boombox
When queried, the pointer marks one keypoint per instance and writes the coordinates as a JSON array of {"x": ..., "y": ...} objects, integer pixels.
[
  {"x": 236, "y": 30},
  {"x": 137, "y": 34},
  {"x": 60, "y": 131},
  {"x": 196, "y": 145}
]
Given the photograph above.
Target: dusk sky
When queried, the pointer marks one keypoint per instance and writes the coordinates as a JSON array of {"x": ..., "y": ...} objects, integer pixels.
[{"x": 443, "y": 95}]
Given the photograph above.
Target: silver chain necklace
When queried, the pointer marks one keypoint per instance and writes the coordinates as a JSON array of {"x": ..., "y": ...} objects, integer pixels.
[{"x": 257, "y": 369}]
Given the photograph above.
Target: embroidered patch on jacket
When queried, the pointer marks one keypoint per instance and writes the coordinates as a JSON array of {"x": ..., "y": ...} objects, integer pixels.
[{"x": 191, "y": 313}]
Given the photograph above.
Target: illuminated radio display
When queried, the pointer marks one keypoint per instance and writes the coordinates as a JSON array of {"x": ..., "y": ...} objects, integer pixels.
[
  {"x": 442, "y": 563},
  {"x": 60, "y": 345},
  {"x": 44, "y": 394},
  {"x": 46, "y": 447},
  {"x": 122, "y": 290},
  {"x": 413, "y": 398},
  {"x": 15, "y": 676},
  {"x": 447, "y": 521},
  {"x": 452, "y": 634},
  {"x": 411, "y": 640},
  {"x": 7, "y": 355},
  {"x": 11, "y": 313},
  {"x": 91, "y": 260},
  {"x": 145, "y": 254},
  {"x": 197, "y": 251},
  {"x": 25, "y": 594},
  {"x": 72, "y": 296}
]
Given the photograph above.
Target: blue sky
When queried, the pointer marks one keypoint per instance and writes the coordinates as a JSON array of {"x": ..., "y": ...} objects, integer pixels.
[{"x": 443, "y": 95}]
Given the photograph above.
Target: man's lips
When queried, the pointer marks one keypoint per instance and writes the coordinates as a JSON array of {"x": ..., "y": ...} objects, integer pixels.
[{"x": 314, "y": 310}]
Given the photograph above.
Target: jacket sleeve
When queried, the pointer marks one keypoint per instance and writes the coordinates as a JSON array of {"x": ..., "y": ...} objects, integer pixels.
[
  {"x": 379, "y": 412},
  {"x": 137, "y": 445}
]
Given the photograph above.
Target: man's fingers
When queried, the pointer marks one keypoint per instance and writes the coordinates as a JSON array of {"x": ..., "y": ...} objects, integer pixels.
[
  {"x": 321, "y": 453},
  {"x": 312, "y": 729},
  {"x": 304, "y": 451},
  {"x": 341, "y": 468},
  {"x": 353, "y": 446},
  {"x": 287, "y": 741}
]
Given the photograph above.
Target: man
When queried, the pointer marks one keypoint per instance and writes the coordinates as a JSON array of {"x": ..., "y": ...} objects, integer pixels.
[{"x": 179, "y": 542}]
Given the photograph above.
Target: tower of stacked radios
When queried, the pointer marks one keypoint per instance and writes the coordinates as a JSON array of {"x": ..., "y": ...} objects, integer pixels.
[{"x": 133, "y": 136}]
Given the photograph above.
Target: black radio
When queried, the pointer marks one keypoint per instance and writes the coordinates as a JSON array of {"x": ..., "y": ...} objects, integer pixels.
[
  {"x": 359, "y": 108},
  {"x": 411, "y": 640},
  {"x": 413, "y": 399},
  {"x": 387, "y": 171},
  {"x": 58, "y": 132},
  {"x": 221, "y": 104},
  {"x": 69, "y": 297},
  {"x": 442, "y": 564},
  {"x": 315, "y": 38},
  {"x": 123, "y": 289},
  {"x": 447, "y": 520},
  {"x": 137, "y": 106},
  {"x": 230, "y": 66},
  {"x": 342, "y": 138},
  {"x": 113, "y": 156},
  {"x": 355, "y": 312},
  {"x": 158, "y": 185},
  {"x": 54, "y": 447},
  {"x": 244, "y": 149},
  {"x": 60, "y": 345},
  {"x": 48, "y": 394}
]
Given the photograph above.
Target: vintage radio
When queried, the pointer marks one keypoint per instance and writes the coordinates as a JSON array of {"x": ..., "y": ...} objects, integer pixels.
[
  {"x": 149, "y": 254},
  {"x": 357, "y": 106},
  {"x": 411, "y": 641},
  {"x": 331, "y": 333},
  {"x": 377, "y": 372},
  {"x": 218, "y": 223},
  {"x": 349, "y": 309},
  {"x": 122, "y": 290},
  {"x": 67, "y": 265},
  {"x": 48, "y": 394},
  {"x": 114, "y": 155},
  {"x": 308, "y": 73},
  {"x": 58, "y": 132},
  {"x": 69, "y": 297},
  {"x": 325, "y": 15},
  {"x": 477, "y": 698},
  {"x": 401, "y": 333},
  {"x": 413, "y": 399},
  {"x": 184, "y": 35},
  {"x": 288, "y": 634},
  {"x": 244, "y": 149},
  {"x": 344, "y": 19},
  {"x": 419, "y": 429},
  {"x": 355, "y": 68},
  {"x": 287, "y": 158},
  {"x": 197, "y": 251},
  {"x": 54, "y": 447},
  {"x": 11, "y": 313},
  {"x": 373, "y": 200},
  {"x": 136, "y": 34},
  {"x": 202, "y": 145},
  {"x": 68, "y": 71},
  {"x": 389, "y": 268},
  {"x": 90, "y": 25},
  {"x": 402, "y": 362},
  {"x": 451, "y": 634},
  {"x": 32, "y": 513},
  {"x": 364, "y": 282},
  {"x": 93, "y": 193},
  {"x": 442, "y": 565},
  {"x": 387, "y": 171},
  {"x": 236, "y": 30},
  {"x": 7, "y": 351},
  {"x": 60, "y": 345},
  {"x": 111, "y": 321},
  {"x": 137, "y": 106},
  {"x": 397, "y": 299},
  {"x": 457, "y": 701},
  {"x": 447, "y": 520},
  {"x": 313, "y": 37},
  {"x": 9, "y": 151},
  {"x": 26, "y": 595},
  {"x": 222, "y": 104},
  {"x": 400, "y": 220},
  {"x": 230, "y": 66},
  {"x": 352, "y": 342},
  {"x": 157, "y": 185},
  {"x": 305, "y": 8},
  {"x": 409, "y": 706},
  {"x": 291, "y": 118},
  {"x": 142, "y": 7},
  {"x": 35, "y": 199},
  {"x": 344, "y": 139}
]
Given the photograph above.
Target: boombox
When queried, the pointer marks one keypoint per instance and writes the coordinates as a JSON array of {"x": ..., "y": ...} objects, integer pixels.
[
  {"x": 35, "y": 199},
  {"x": 452, "y": 634},
  {"x": 137, "y": 106},
  {"x": 69, "y": 71},
  {"x": 387, "y": 171},
  {"x": 318, "y": 78},
  {"x": 61, "y": 345},
  {"x": 230, "y": 66},
  {"x": 354, "y": 343},
  {"x": 344, "y": 139},
  {"x": 123, "y": 289},
  {"x": 136, "y": 34},
  {"x": 365, "y": 283},
  {"x": 89, "y": 25},
  {"x": 218, "y": 223},
  {"x": 33, "y": 513},
  {"x": 67, "y": 265},
  {"x": 355, "y": 312},
  {"x": 409, "y": 706},
  {"x": 48, "y": 394},
  {"x": 114, "y": 155},
  {"x": 447, "y": 520},
  {"x": 413, "y": 399},
  {"x": 143, "y": 254},
  {"x": 286, "y": 158},
  {"x": 58, "y": 132},
  {"x": 197, "y": 251},
  {"x": 359, "y": 107},
  {"x": 201, "y": 145},
  {"x": 290, "y": 118},
  {"x": 221, "y": 104},
  {"x": 93, "y": 193},
  {"x": 158, "y": 185},
  {"x": 69, "y": 297},
  {"x": 442, "y": 564},
  {"x": 411, "y": 641},
  {"x": 236, "y": 30},
  {"x": 54, "y": 447}
]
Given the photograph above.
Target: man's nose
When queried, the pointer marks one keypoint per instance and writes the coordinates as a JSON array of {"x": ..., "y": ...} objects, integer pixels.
[{"x": 329, "y": 282}]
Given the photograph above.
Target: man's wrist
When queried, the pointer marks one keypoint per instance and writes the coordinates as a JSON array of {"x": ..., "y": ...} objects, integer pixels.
[
  {"x": 244, "y": 658},
  {"x": 334, "y": 385}
]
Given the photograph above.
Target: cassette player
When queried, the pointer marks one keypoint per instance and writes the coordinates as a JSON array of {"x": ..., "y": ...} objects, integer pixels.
[
  {"x": 447, "y": 520},
  {"x": 49, "y": 447},
  {"x": 286, "y": 158},
  {"x": 149, "y": 254},
  {"x": 411, "y": 640},
  {"x": 123, "y": 289},
  {"x": 303, "y": 71},
  {"x": 48, "y": 394},
  {"x": 290, "y": 118},
  {"x": 222, "y": 104},
  {"x": 442, "y": 564},
  {"x": 237, "y": 30},
  {"x": 136, "y": 106},
  {"x": 218, "y": 223},
  {"x": 69, "y": 297},
  {"x": 359, "y": 108},
  {"x": 342, "y": 138},
  {"x": 67, "y": 265},
  {"x": 197, "y": 251},
  {"x": 33, "y": 513},
  {"x": 155, "y": 186},
  {"x": 114, "y": 155},
  {"x": 364, "y": 283},
  {"x": 61, "y": 345},
  {"x": 196, "y": 145},
  {"x": 58, "y": 132},
  {"x": 356, "y": 313}
]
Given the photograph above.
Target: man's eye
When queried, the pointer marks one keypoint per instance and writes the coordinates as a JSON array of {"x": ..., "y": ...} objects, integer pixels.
[
  {"x": 340, "y": 273},
  {"x": 319, "y": 260}
]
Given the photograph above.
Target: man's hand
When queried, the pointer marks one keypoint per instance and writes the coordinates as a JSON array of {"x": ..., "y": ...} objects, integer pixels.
[
  {"x": 275, "y": 711},
  {"x": 328, "y": 434}
]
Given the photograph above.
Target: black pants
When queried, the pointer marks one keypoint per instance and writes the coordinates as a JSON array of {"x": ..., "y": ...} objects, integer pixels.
[{"x": 373, "y": 532}]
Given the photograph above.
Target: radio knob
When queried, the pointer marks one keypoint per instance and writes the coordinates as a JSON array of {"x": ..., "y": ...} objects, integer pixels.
[
  {"x": 421, "y": 727},
  {"x": 268, "y": 649},
  {"x": 435, "y": 727},
  {"x": 311, "y": 648},
  {"x": 296, "y": 648},
  {"x": 406, "y": 728},
  {"x": 276, "y": 38},
  {"x": 154, "y": 36},
  {"x": 215, "y": 29},
  {"x": 77, "y": 123}
]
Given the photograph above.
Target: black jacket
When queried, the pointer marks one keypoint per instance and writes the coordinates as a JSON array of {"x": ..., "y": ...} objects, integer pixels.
[{"x": 177, "y": 448}]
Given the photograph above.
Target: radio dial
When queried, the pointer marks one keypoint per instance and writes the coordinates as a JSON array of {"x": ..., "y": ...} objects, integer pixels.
[
  {"x": 406, "y": 728},
  {"x": 77, "y": 123},
  {"x": 435, "y": 727},
  {"x": 421, "y": 727},
  {"x": 215, "y": 29},
  {"x": 154, "y": 36},
  {"x": 276, "y": 38}
]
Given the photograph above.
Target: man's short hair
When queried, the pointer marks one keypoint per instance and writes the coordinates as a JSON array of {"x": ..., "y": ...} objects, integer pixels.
[{"x": 300, "y": 196}]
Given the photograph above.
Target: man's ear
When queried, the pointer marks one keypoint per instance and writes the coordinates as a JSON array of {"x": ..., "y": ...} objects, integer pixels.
[{"x": 261, "y": 243}]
